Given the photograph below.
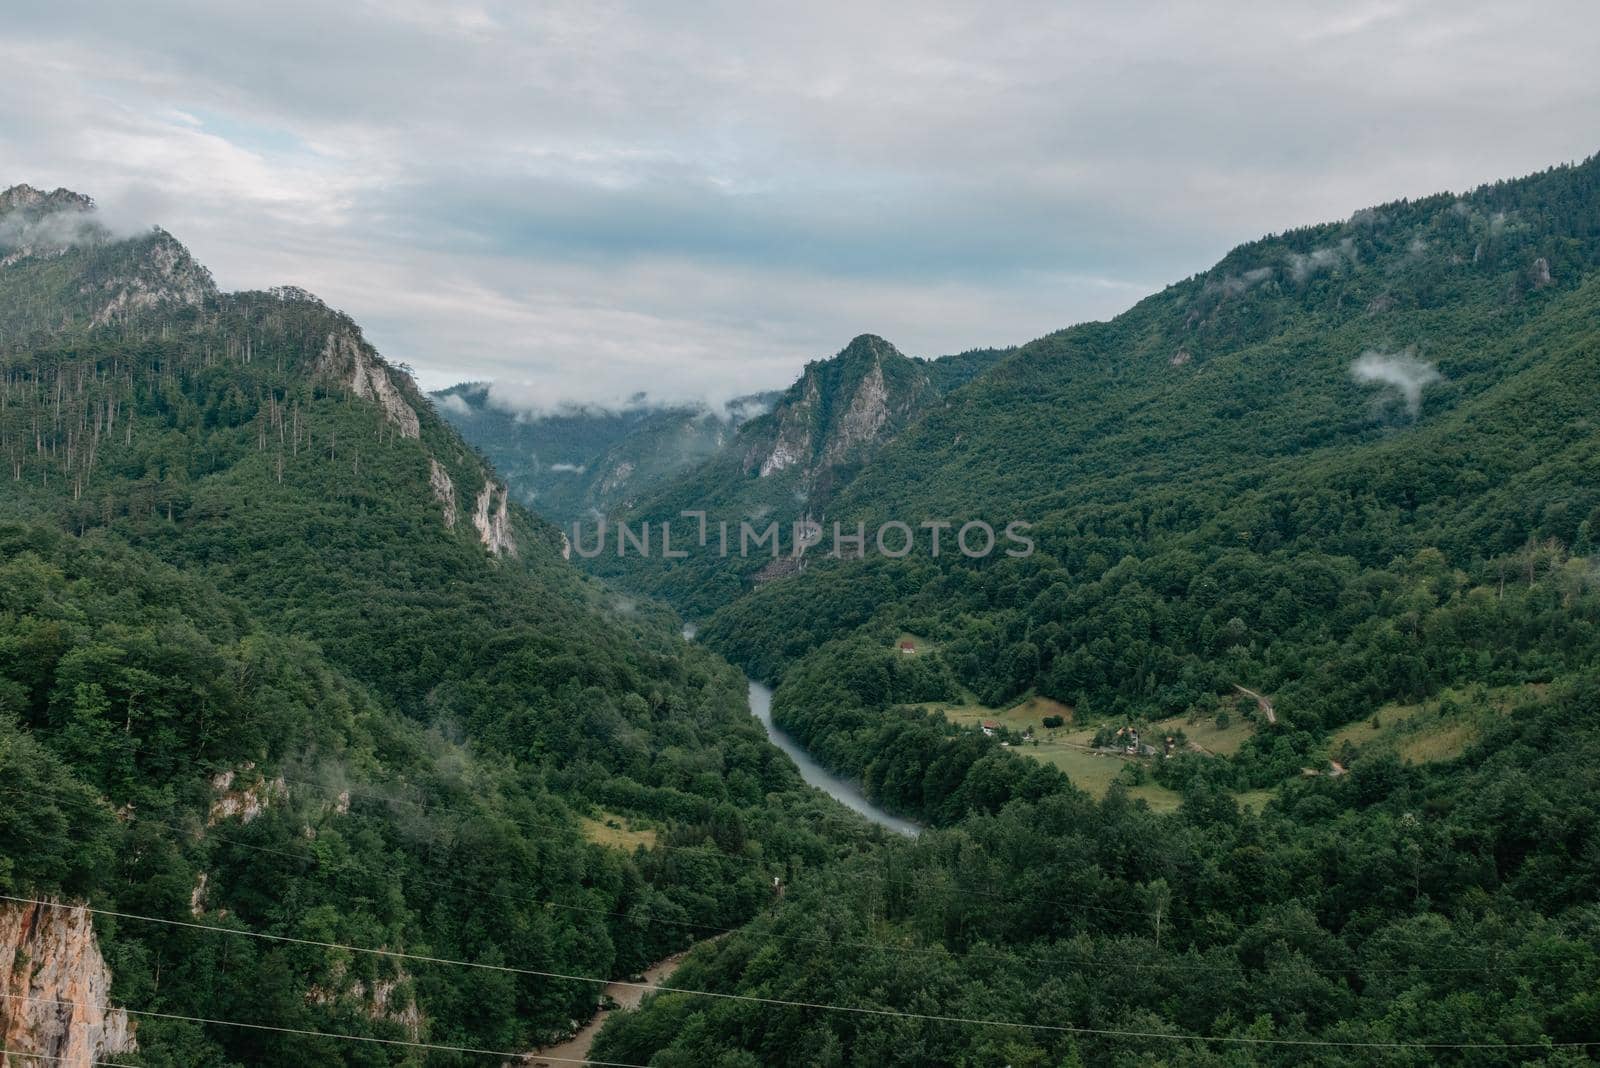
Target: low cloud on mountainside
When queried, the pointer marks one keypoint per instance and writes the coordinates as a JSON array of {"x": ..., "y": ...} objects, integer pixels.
[{"x": 1402, "y": 375}]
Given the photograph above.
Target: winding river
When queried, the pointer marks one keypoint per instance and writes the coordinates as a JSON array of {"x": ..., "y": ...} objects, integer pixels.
[
  {"x": 629, "y": 995},
  {"x": 842, "y": 790}
]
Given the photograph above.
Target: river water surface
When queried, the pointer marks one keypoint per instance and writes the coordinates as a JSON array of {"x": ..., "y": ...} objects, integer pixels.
[{"x": 848, "y": 793}]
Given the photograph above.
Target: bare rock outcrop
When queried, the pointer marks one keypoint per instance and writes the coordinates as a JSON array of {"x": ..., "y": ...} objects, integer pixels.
[
  {"x": 863, "y": 420},
  {"x": 444, "y": 491},
  {"x": 165, "y": 274},
  {"x": 347, "y": 358},
  {"x": 55, "y": 989},
  {"x": 392, "y": 999},
  {"x": 246, "y": 802},
  {"x": 793, "y": 444},
  {"x": 493, "y": 521}
]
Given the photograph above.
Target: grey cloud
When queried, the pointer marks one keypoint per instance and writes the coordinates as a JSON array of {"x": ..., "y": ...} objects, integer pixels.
[
  {"x": 56, "y": 230},
  {"x": 599, "y": 198}
]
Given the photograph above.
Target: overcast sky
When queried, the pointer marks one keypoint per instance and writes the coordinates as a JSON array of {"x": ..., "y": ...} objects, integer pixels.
[{"x": 594, "y": 198}]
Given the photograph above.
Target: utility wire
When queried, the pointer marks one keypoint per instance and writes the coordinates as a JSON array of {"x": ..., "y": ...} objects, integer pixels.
[
  {"x": 308, "y": 1033},
  {"x": 787, "y": 1003},
  {"x": 47, "y": 1057}
]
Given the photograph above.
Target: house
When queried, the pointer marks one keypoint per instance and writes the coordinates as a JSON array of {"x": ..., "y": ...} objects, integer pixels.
[
  {"x": 1132, "y": 739},
  {"x": 908, "y": 649},
  {"x": 990, "y": 726}
]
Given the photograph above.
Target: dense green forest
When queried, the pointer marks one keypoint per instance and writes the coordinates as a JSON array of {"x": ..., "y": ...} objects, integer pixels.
[
  {"x": 276, "y": 655},
  {"x": 1330, "y": 502},
  {"x": 279, "y": 652}
]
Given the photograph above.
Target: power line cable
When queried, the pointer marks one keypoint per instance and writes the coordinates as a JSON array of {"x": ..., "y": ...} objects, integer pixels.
[
  {"x": 793, "y": 1003},
  {"x": 305, "y": 1032},
  {"x": 714, "y": 930}
]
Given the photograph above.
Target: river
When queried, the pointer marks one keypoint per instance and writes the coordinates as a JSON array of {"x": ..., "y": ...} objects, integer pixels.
[
  {"x": 847, "y": 793},
  {"x": 842, "y": 790}
]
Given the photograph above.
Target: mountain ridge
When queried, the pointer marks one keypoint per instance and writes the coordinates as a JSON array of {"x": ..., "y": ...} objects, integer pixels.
[{"x": 278, "y": 650}]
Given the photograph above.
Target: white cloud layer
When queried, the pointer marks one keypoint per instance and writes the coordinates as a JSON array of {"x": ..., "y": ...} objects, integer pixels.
[{"x": 599, "y": 198}]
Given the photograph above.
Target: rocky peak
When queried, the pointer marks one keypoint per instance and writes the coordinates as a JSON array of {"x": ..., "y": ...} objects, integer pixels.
[
  {"x": 840, "y": 409},
  {"x": 162, "y": 273},
  {"x": 869, "y": 348},
  {"x": 26, "y": 198},
  {"x": 108, "y": 278},
  {"x": 36, "y": 223}
]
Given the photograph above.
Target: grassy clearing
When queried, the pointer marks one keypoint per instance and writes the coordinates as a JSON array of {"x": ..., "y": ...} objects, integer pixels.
[
  {"x": 1095, "y": 772},
  {"x": 617, "y": 832},
  {"x": 1444, "y": 742},
  {"x": 1039, "y": 707},
  {"x": 970, "y": 715},
  {"x": 1255, "y": 800},
  {"x": 1018, "y": 717},
  {"x": 1425, "y": 732},
  {"x": 1061, "y": 747},
  {"x": 1221, "y": 741},
  {"x": 1381, "y": 726}
]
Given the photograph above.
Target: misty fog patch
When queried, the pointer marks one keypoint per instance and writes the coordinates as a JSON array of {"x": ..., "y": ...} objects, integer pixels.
[
  {"x": 1401, "y": 377},
  {"x": 1303, "y": 265}
]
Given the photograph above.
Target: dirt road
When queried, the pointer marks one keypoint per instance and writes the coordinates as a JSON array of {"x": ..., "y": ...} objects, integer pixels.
[{"x": 626, "y": 995}]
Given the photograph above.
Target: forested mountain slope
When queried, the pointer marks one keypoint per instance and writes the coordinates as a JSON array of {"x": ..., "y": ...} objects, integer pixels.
[
  {"x": 785, "y": 466},
  {"x": 1319, "y": 524},
  {"x": 1220, "y": 466},
  {"x": 572, "y": 463},
  {"x": 278, "y": 654}
]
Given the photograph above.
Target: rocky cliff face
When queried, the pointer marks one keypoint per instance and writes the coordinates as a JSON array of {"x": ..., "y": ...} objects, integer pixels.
[
  {"x": 793, "y": 445},
  {"x": 350, "y": 360},
  {"x": 163, "y": 274},
  {"x": 444, "y": 491},
  {"x": 244, "y": 802},
  {"x": 55, "y": 989},
  {"x": 863, "y": 421},
  {"x": 493, "y": 521},
  {"x": 839, "y": 411}
]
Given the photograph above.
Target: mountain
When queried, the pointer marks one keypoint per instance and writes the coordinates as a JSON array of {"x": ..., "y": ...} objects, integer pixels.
[
  {"x": 1287, "y": 727},
  {"x": 66, "y": 270},
  {"x": 575, "y": 462},
  {"x": 279, "y": 654},
  {"x": 1280, "y": 746},
  {"x": 786, "y": 466}
]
